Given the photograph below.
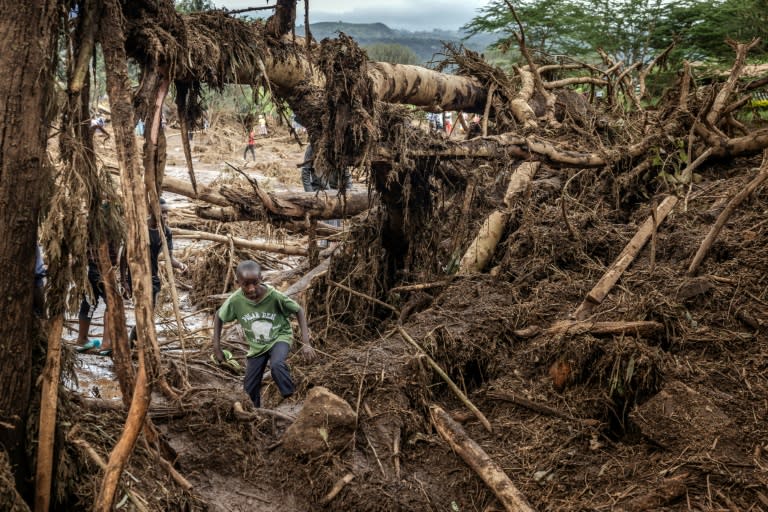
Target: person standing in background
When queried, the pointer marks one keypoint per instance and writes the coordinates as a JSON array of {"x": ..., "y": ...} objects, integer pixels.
[
  {"x": 262, "y": 125},
  {"x": 251, "y": 146}
]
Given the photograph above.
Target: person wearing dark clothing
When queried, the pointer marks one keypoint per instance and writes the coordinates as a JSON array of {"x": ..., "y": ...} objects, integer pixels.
[
  {"x": 155, "y": 248},
  {"x": 251, "y": 146},
  {"x": 89, "y": 304},
  {"x": 312, "y": 182}
]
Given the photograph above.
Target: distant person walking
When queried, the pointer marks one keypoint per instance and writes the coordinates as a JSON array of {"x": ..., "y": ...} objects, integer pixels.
[
  {"x": 251, "y": 146},
  {"x": 262, "y": 125},
  {"x": 97, "y": 125}
]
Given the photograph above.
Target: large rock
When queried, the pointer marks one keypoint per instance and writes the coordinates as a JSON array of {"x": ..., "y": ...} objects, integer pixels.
[
  {"x": 682, "y": 419},
  {"x": 325, "y": 423}
]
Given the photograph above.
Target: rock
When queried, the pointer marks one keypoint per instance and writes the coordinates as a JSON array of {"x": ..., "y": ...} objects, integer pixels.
[
  {"x": 693, "y": 288},
  {"x": 680, "y": 418},
  {"x": 326, "y": 423}
]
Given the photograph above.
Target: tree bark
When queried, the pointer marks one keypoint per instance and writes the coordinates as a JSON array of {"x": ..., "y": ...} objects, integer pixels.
[
  {"x": 296, "y": 250},
  {"x": 135, "y": 204},
  {"x": 48, "y": 407},
  {"x": 29, "y": 31},
  {"x": 327, "y": 204}
]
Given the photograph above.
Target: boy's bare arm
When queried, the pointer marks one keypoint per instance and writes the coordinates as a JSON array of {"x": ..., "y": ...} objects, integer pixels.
[
  {"x": 217, "y": 325},
  {"x": 306, "y": 350}
]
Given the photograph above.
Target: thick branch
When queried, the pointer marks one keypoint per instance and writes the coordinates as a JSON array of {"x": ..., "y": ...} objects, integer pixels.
[
  {"x": 239, "y": 242},
  {"x": 490, "y": 472}
]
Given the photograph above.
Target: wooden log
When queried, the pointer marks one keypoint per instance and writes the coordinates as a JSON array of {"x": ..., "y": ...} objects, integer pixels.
[
  {"x": 627, "y": 256},
  {"x": 323, "y": 204},
  {"x": 476, "y": 458},
  {"x": 480, "y": 251},
  {"x": 575, "y": 327},
  {"x": 337, "y": 487},
  {"x": 295, "y": 250},
  {"x": 230, "y": 214},
  {"x": 326, "y": 204},
  {"x": 303, "y": 283},
  {"x": 182, "y": 188}
]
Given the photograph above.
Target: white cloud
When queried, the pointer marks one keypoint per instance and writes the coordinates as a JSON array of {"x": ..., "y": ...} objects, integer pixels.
[{"x": 405, "y": 14}]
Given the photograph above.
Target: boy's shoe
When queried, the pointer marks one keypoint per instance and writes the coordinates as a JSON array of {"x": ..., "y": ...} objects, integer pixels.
[
  {"x": 89, "y": 345},
  {"x": 105, "y": 352}
]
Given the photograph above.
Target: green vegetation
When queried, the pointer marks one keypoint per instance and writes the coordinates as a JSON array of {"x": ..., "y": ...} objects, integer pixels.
[
  {"x": 393, "y": 53},
  {"x": 627, "y": 30},
  {"x": 194, "y": 5}
]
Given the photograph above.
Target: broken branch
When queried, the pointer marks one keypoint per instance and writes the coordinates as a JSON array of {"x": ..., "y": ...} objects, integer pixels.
[
  {"x": 460, "y": 394},
  {"x": 476, "y": 458}
]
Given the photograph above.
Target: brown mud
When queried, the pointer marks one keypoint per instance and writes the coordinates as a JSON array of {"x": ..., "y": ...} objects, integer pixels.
[{"x": 674, "y": 419}]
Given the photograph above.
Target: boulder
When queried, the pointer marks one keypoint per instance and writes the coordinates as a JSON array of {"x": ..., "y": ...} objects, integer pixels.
[{"x": 326, "y": 423}]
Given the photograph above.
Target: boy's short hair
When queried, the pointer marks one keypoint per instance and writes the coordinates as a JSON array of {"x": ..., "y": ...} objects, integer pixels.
[{"x": 247, "y": 265}]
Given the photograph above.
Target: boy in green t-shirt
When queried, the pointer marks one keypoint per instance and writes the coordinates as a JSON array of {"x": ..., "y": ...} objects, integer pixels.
[{"x": 264, "y": 314}]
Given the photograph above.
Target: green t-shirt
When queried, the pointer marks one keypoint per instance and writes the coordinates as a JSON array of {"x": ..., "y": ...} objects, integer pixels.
[{"x": 265, "y": 322}]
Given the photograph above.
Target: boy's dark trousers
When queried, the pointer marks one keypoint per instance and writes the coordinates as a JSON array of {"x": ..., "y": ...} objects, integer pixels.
[{"x": 254, "y": 372}]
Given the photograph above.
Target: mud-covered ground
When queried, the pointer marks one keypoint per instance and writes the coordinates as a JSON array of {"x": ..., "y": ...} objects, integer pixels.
[{"x": 673, "y": 418}]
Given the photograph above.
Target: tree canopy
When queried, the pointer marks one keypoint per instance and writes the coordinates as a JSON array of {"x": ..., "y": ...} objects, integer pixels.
[{"x": 627, "y": 30}]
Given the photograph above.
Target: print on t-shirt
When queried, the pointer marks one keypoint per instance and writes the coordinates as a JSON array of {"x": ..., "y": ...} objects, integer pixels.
[
  {"x": 261, "y": 330},
  {"x": 261, "y": 325}
]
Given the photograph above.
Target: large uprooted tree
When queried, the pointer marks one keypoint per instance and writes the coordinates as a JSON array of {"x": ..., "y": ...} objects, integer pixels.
[{"x": 533, "y": 125}]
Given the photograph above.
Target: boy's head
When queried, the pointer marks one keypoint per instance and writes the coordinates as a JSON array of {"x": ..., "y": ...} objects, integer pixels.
[{"x": 248, "y": 276}]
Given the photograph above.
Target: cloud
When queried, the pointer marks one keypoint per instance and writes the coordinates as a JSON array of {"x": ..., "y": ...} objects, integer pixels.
[
  {"x": 402, "y": 14},
  {"x": 408, "y": 15}
]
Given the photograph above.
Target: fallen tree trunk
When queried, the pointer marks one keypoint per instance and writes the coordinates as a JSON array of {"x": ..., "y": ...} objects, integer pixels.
[
  {"x": 327, "y": 204},
  {"x": 394, "y": 83},
  {"x": 495, "y": 477},
  {"x": 295, "y": 250}
]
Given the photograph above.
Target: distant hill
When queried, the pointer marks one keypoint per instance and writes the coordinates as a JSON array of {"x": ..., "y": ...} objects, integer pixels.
[{"x": 425, "y": 44}]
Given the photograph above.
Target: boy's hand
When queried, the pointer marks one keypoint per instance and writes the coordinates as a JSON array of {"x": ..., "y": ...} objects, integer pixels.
[
  {"x": 218, "y": 354},
  {"x": 308, "y": 353}
]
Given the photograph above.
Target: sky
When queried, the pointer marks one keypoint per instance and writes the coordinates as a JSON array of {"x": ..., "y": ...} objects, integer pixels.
[{"x": 403, "y": 14}]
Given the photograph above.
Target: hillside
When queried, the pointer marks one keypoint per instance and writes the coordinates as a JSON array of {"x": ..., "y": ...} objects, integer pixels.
[{"x": 424, "y": 43}]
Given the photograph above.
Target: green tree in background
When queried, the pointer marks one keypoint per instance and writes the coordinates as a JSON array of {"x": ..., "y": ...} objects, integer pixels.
[
  {"x": 392, "y": 53},
  {"x": 627, "y": 30},
  {"x": 703, "y": 28},
  {"x": 194, "y": 5}
]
